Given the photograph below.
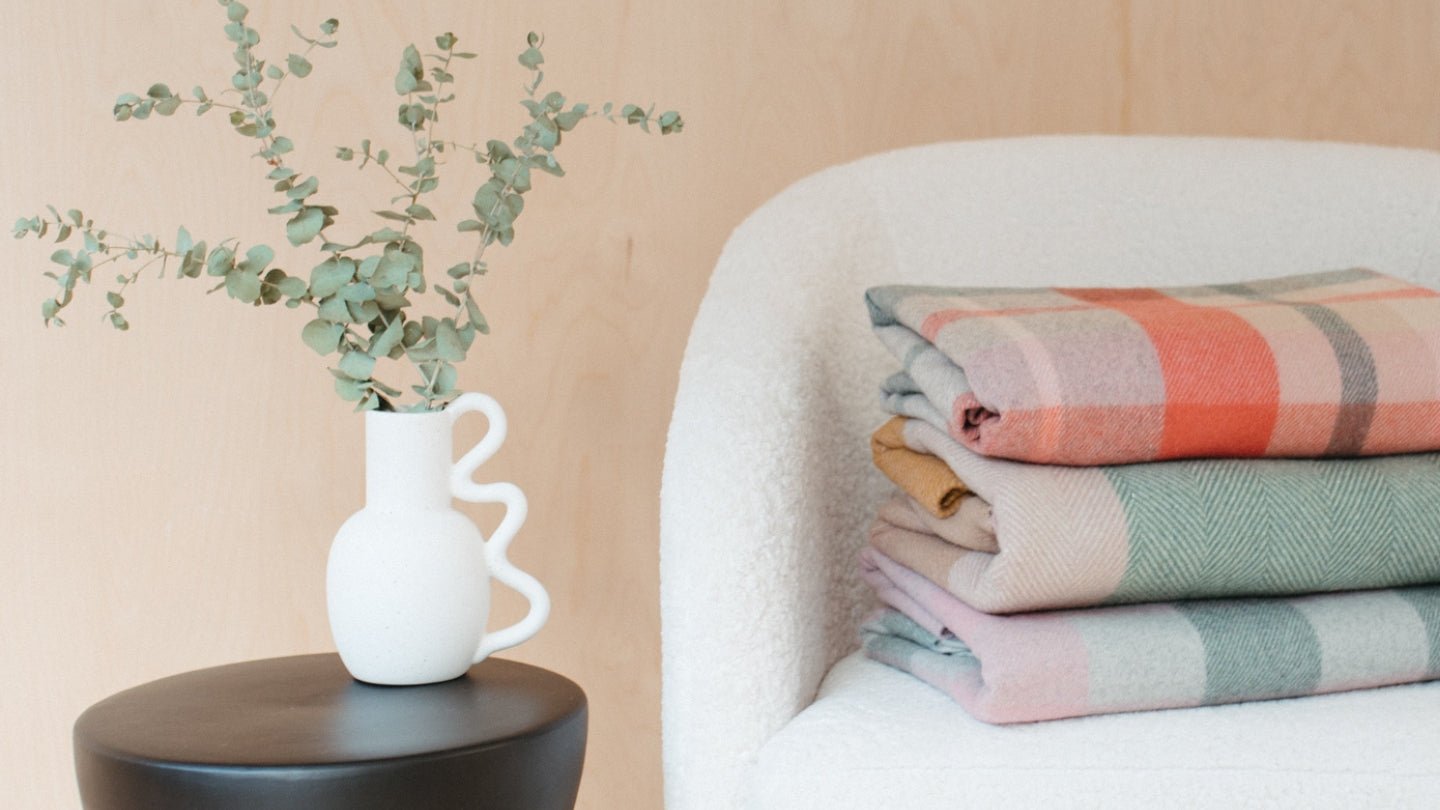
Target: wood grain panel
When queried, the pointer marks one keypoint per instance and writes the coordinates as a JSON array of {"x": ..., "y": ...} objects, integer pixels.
[
  {"x": 167, "y": 496},
  {"x": 1320, "y": 69}
]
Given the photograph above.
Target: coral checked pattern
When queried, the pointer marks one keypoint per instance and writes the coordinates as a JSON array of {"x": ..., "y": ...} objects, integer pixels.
[{"x": 1340, "y": 363}]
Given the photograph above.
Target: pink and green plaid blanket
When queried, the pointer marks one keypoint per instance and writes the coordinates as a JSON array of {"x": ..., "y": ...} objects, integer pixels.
[
  {"x": 1040, "y": 537},
  {"x": 1050, "y": 665},
  {"x": 1343, "y": 363}
]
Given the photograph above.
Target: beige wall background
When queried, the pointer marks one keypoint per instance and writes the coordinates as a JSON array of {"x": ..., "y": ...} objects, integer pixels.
[{"x": 168, "y": 495}]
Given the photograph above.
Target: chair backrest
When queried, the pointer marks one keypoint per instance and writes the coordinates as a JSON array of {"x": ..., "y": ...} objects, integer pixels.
[{"x": 767, "y": 486}]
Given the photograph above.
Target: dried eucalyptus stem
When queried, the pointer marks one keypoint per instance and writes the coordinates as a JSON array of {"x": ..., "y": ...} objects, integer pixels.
[{"x": 360, "y": 292}]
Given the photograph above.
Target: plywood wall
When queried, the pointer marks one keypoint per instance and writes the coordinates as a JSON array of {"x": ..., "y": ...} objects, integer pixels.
[{"x": 167, "y": 496}]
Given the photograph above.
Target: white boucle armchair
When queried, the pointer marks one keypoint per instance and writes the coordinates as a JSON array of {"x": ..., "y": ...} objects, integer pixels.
[{"x": 768, "y": 487}]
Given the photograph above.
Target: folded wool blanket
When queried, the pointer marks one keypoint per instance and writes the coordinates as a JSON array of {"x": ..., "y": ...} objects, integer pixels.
[
  {"x": 1049, "y": 665},
  {"x": 1343, "y": 363},
  {"x": 928, "y": 479},
  {"x": 1038, "y": 537}
]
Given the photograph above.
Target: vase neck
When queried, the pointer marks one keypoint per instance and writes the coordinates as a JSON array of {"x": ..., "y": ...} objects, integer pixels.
[{"x": 408, "y": 459}]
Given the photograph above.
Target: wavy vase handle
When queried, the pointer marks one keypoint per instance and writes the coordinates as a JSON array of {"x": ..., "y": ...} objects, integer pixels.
[{"x": 516, "y": 508}]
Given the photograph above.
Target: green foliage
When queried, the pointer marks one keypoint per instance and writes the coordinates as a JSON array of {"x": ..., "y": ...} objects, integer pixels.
[{"x": 364, "y": 291}]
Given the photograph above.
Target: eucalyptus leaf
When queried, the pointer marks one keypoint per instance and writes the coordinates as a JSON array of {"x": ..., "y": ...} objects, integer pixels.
[
  {"x": 299, "y": 66},
  {"x": 240, "y": 80},
  {"x": 304, "y": 189},
  {"x": 220, "y": 261},
  {"x": 363, "y": 311},
  {"x": 384, "y": 389},
  {"x": 392, "y": 300},
  {"x": 257, "y": 259},
  {"x": 350, "y": 390},
  {"x": 322, "y": 336},
  {"x": 473, "y": 312},
  {"x": 305, "y": 226},
  {"x": 358, "y": 292},
  {"x": 411, "y": 72},
  {"x": 243, "y": 284},
  {"x": 387, "y": 339},
  {"x": 393, "y": 268},
  {"x": 328, "y": 277},
  {"x": 367, "y": 267},
  {"x": 357, "y": 365},
  {"x": 293, "y": 287},
  {"x": 445, "y": 378},
  {"x": 412, "y": 116},
  {"x": 334, "y": 309},
  {"x": 447, "y": 342}
]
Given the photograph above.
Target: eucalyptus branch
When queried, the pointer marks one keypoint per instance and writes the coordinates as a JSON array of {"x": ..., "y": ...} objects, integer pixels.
[
  {"x": 298, "y": 65},
  {"x": 361, "y": 293}
]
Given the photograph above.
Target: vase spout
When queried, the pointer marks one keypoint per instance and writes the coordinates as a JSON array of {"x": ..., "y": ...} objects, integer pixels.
[{"x": 408, "y": 459}]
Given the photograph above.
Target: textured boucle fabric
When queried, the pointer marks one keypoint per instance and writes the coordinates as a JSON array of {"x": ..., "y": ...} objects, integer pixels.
[{"x": 876, "y": 737}]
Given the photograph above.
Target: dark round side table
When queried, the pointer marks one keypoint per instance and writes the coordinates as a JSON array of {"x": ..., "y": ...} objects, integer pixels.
[{"x": 299, "y": 732}]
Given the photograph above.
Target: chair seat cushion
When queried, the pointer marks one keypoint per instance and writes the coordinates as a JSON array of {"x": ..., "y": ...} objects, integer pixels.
[{"x": 876, "y": 737}]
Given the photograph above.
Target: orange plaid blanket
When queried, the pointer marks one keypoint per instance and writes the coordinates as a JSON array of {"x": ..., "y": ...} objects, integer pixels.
[{"x": 1341, "y": 363}]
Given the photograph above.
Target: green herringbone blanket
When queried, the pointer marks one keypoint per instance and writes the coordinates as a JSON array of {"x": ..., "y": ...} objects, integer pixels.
[{"x": 1037, "y": 537}]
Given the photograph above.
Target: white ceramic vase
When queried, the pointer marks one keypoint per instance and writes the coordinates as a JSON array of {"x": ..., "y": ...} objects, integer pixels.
[{"x": 408, "y": 580}]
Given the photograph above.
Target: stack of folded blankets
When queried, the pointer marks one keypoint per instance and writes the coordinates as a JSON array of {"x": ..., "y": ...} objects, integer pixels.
[{"x": 1126, "y": 499}]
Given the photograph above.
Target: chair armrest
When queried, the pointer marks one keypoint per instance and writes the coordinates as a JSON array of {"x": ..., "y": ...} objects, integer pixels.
[{"x": 765, "y": 492}]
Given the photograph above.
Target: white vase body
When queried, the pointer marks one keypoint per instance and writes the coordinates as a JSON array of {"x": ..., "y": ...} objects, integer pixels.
[{"x": 408, "y": 579}]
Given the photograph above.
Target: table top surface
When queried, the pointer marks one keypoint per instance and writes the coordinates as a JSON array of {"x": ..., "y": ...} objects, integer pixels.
[{"x": 307, "y": 710}]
